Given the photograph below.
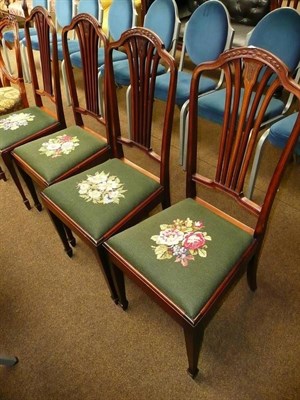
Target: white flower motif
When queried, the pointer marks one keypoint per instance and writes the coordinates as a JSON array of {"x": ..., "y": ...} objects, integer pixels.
[
  {"x": 15, "y": 121},
  {"x": 101, "y": 188},
  {"x": 61, "y": 144}
]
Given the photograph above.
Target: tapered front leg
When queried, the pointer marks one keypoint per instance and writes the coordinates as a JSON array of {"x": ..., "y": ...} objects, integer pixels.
[
  {"x": 70, "y": 236},
  {"x": 10, "y": 166},
  {"x": 119, "y": 280},
  {"x": 2, "y": 175},
  {"x": 31, "y": 188},
  {"x": 102, "y": 256},
  {"x": 252, "y": 273},
  {"x": 60, "y": 228},
  {"x": 193, "y": 341}
]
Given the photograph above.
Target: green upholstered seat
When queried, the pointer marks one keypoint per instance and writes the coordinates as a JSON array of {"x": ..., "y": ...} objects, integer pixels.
[
  {"x": 185, "y": 251},
  {"x": 53, "y": 155},
  {"x": 17, "y": 126},
  {"x": 99, "y": 198}
]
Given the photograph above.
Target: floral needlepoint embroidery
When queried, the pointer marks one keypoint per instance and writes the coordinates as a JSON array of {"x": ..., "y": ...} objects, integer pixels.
[
  {"x": 101, "y": 188},
  {"x": 62, "y": 144},
  {"x": 15, "y": 121},
  {"x": 182, "y": 239}
]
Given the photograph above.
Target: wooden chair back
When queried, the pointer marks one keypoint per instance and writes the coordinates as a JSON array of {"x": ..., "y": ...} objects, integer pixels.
[
  {"x": 46, "y": 81},
  {"x": 7, "y": 78},
  {"x": 284, "y": 3},
  {"x": 145, "y": 51},
  {"x": 247, "y": 73},
  {"x": 91, "y": 38}
]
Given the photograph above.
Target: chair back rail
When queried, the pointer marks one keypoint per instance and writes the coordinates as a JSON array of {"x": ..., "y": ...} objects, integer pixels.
[
  {"x": 144, "y": 53},
  {"x": 49, "y": 87},
  {"x": 244, "y": 83}
]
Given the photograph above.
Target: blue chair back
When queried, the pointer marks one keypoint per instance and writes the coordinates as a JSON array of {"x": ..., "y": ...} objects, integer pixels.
[
  {"x": 206, "y": 32},
  {"x": 64, "y": 12},
  {"x": 42, "y": 3},
  {"x": 279, "y": 33},
  {"x": 121, "y": 16},
  {"x": 162, "y": 18},
  {"x": 91, "y": 7}
]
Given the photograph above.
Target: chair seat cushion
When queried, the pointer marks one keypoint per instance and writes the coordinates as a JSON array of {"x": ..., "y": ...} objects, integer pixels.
[
  {"x": 121, "y": 72},
  {"x": 211, "y": 106},
  {"x": 9, "y": 35},
  {"x": 183, "y": 86},
  {"x": 19, "y": 125},
  {"x": 281, "y": 130},
  {"x": 100, "y": 197},
  {"x": 53, "y": 155},
  {"x": 73, "y": 46},
  {"x": 186, "y": 251},
  {"x": 76, "y": 60},
  {"x": 10, "y": 100}
]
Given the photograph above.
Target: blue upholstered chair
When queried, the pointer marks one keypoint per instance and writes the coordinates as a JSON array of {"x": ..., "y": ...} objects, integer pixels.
[
  {"x": 207, "y": 34},
  {"x": 279, "y": 33},
  {"x": 64, "y": 12},
  {"x": 57, "y": 156},
  {"x": 122, "y": 15},
  {"x": 161, "y": 18},
  {"x": 8, "y": 36},
  {"x": 278, "y": 135},
  {"x": 188, "y": 257}
]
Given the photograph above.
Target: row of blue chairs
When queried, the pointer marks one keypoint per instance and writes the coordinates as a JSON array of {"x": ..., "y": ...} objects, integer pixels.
[{"x": 188, "y": 256}]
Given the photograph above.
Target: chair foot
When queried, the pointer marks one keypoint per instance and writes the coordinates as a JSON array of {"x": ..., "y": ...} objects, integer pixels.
[
  {"x": 123, "y": 304},
  {"x": 27, "y": 204},
  {"x": 2, "y": 175},
  {"x": 69, "y": 252},
  {"x": 193, "y": 373},
  {"x": 38, "y": 207}
]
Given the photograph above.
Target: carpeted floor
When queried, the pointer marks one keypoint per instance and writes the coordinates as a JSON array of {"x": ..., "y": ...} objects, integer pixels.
[{"x": 74, "y": 343}]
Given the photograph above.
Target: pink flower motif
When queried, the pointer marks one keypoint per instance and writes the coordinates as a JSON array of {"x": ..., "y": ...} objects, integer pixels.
[
  {"x": 66, "y": 138},
  {"x": 194, "y": 240},
  {"x": 199, "y": 224}
]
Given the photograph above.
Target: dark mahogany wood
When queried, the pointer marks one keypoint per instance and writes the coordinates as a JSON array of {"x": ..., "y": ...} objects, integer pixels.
[
  {"x": 15, "y": 78},
  {"x": 45, "y": 89},
  {"x": 144, "y": 50},
  {"x": 86, "y": 109},
  {"x": 284, "y": 3},
  {"x": 238, "y": 136}
]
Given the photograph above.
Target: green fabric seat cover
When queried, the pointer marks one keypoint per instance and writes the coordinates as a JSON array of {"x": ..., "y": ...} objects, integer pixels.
[
  {"x": 57, "y": 162},
  {"x": 97, "y": 219},
  {"x": 21, "y": 124},
  {"x": 189, "y": 286}
]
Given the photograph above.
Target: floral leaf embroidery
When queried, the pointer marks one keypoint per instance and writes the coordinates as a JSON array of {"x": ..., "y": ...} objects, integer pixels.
[
  {"x": 101, "y": 188},
  {"x": 183, "y": 240},
  {"x": 56, "y": 147},
  {"x": 15, "y": 121}
]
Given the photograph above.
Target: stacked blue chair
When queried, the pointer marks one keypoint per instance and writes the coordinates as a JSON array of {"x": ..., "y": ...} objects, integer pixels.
[
  {"x": 279, "y": 33},
  {"x": 278, "y": 135},
  {"x": 122, "y": 16},
  {"x": 8, "y": 36},
  {"x": 207, "y": 34},
  {"x": 64, "y": 12},
  {"x": 161, "y": 18}
]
